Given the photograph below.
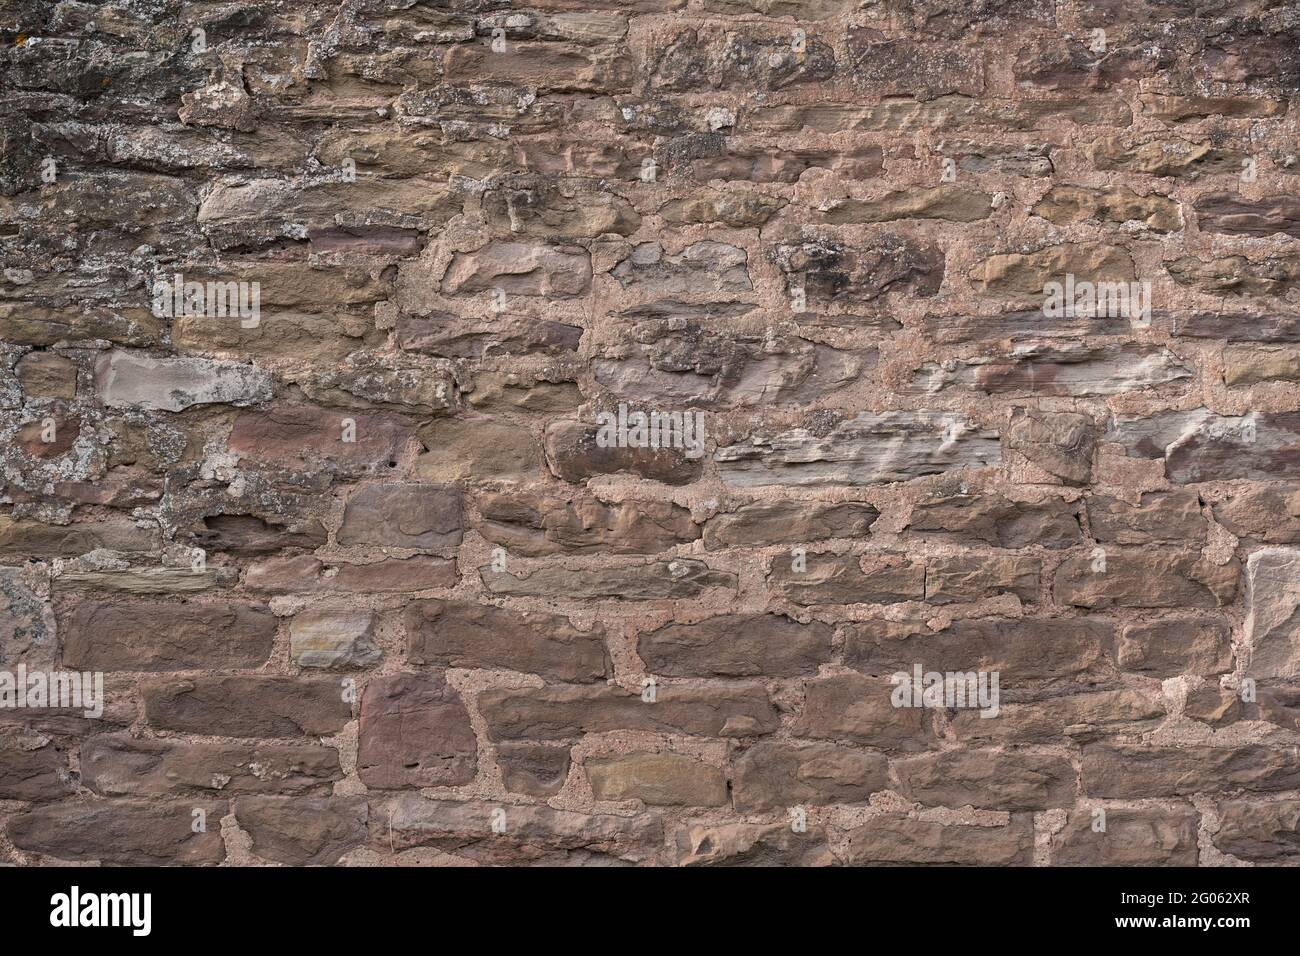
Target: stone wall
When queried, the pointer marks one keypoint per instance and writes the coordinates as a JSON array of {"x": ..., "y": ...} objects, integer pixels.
[{"x": 318, "y": 318}]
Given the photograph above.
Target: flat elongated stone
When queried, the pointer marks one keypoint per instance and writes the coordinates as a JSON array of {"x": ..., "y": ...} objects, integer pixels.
[
  {"x": 1131, "y": 837},
  {"x": 424, "y": 516},
  {"x": 658, "y": 581},
  {"x": 167, "y": 636},
  {"x": 247, "y": 706},
  {"x": 657, "y": 779},
  {"x": 777, "y": 522},
  {"x": 868, "y": 449},
  {"x": 737, "y": 645},
  {"x": 989, "y": 780},
  {"x": 461, "y": 634},
  {"x": 129, "y": 380},
  {"x": 774, "y": 774},
  {"x": 1128, "y": 771},
  {"x": 1145, "y": 577},
  {"x": 895, "y": 839},
  {"x": 123, "y": 832},
  {"x": 121, "y": 765},
  {"x": 567, "y": 710}
]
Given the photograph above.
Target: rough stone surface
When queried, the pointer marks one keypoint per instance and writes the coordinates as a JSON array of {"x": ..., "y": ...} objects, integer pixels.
[{"x": 365, "y": 532}]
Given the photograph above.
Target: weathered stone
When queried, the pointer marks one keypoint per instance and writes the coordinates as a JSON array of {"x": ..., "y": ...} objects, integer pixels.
[
  {"x": 302, "y": 831},
  {"x": 1132, "y": 837},
  {"x": 31, "y": 768},
  {"x": 657, "y": 779},
  {"x": 306, "y": 574},
  {"x": 123, "y": 832},
  {"x": 657, "y": 581},
  {"x": 167, "y": 635},
  {"x": 574, "y": 455},
  {"x": 1064, "y": 205},
  {"x": 415, "y": 732},
  {"x": 736, "y": 210},
  {"x": 531, "y": 832},
  {"x": 1272, "y": 626},
  {"x": 1027, "y": 651},
  {"x": 1198, "y": 445},
  {"x": 1267, "y": 514},
  {"x": 542, "y": 66},
  {"x": 1246, "y": 365},
  {"x": 1236, "y": 275},
  {"x": 969, "y": 577},
  {"x": 306, "y": 438},
  {"x": 847, "y": 579},
  {"x": 737, "y": 645},
  {"x": 240, "y": 213},
  {"x": 446, "y": 336},
  {"x": 1081, "y": 716},
  {"x": 1264, "y": 833},
  {"x": 1024, "y": 274},
  {"x": 944, "y": 113},
  {"x": 1163, "y": 156},
  {"x": 765, "y": 165},
  {"x": 704, "y": 268},
  {"x": 247, "y": 706},
  {"x": 988, "y": 780},
  {"x": 924, "y": 71},
  {"x": 950, "y": 203},
  {"x": 475, "y": 449},
  {"x": 693, "y": 365},
  {"x": 460, "y": 634},
  {"x": 128, "y": 380},
  {"x": 774, "y": 774},
  {"x": 565, "y": 711},
  {"x": 423, "y": 516},
  {"x": 1145, "y": 577},
  {"x": 1131, "y": 771},
  {"x": 27, "y": 623},
  {"x": 22, "y": 538},
  {"x": 557, "y": 209},
  {"x": 247, "y": 535},
  {"x": 856, "y": 708},
  {"x": 752, "y": 844},
  {"x": 1060, "y": 444},
  {"x": 1240, "y": 326},
  {"x": 1158, "y": 516},
  {"x": 321, "y": 638},
  {"x": 868, "y": 449},
  {"x": 1176, "y": 646},
  {"x": 1213, "y": 705},
  {"x": 830, "y": 273},
  {"x": 1047, "y": 370},
  {"x": 995, "y": 520},
  {"x": 783, "y": 521},
  {"x": 520, "y": 269},
  {"x": 1231, "y": 214},
  {"x": 47, "y": 375},
  {"x": 898, "y": 840},
  {"x": 533, "y": 524},
  {"x": 118, "y": 765},
  {"x": 535, "y": 770}
]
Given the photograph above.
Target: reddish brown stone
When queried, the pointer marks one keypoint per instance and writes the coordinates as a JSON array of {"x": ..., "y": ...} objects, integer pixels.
[{"x": 415, "y": 732}]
